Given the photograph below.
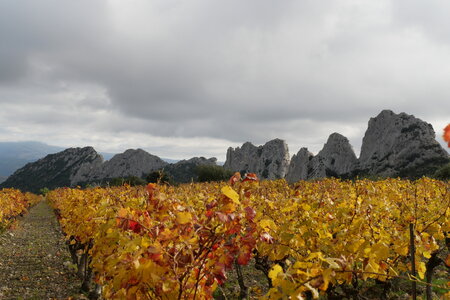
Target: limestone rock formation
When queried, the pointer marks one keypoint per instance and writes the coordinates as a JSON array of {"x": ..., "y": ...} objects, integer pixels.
[
  {"x": 337, "y": 158},
  {"x": 85, "y": 171},
  {"x": 393, "y": 145},
  {"x": 270, "y": 161},
  {"x": 130, "y": 163},
  {"x": 400, "y": 145},
  {"x": 54, "y": 170},
  {"x": 298, "y": 167}
]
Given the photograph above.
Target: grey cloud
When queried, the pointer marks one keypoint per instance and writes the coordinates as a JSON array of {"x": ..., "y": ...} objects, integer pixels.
[
  {"x": 29, "y": 28},
  {"x": 431, "y": 17},
  {"x": 231, "y": 70}
]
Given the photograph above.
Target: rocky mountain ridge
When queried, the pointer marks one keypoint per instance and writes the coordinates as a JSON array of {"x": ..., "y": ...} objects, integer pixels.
[
  {"x": 15, "y": 155},
  {"x": 336, "y": 159},
  {"x": 398, "y": 144},
  {"x": 270, "y": 161},
  {"x": 81, "y": 166},
  {"x": 54, "y": 170},
  {"x": 132, "y": 162},
  {"x": 393, "y": 145}
]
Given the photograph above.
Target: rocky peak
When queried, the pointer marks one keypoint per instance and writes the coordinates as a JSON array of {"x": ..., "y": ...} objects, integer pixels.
[
  {"x": 400, "y": 145},
  {"x": 241, "y": 157},
  {"x": 54, "y": 170},
  {"x": 338, "y": 155},
  {"x": 132, "y": 162},
  {"x": 335, "y": 159},
  {"x": 248, "y": 146},
  {"x": 270, "y": 161},
  {"x": 298, "y": 168},
  {"x": 200, "y": 161}
]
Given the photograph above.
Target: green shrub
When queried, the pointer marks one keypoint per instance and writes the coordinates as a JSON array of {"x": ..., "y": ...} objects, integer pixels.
[
  {"x": 159, "y": 177},
  {"x": 208, "y": 173},
  {"x": 44, "y": 191},
  {"x": 443, "y": 173}
]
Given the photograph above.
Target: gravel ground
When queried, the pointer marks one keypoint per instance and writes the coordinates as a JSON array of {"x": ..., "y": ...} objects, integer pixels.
[{"x": 34, "y": 260}]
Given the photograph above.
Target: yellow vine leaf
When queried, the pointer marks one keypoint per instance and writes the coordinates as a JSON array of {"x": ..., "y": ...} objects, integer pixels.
[
  {"x": 230, "y": 193},
  {"x": 426, "y": 254},
  {"x": 372, "y": 267},
  {"x": 421, "y": 270},
  {"x": 380, "y": 251},
  {"x": 145, "y": 242},
  {"x": 268, "y": 223},
  {"x": 183, "y": 217},
  {"x": 306, "y": 207},
  {"x": 274, "y": 271},
  {"x": 302, "y": 265}
]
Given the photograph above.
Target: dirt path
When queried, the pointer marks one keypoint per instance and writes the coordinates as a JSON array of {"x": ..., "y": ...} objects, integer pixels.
[{"x": 34, "y": 260}]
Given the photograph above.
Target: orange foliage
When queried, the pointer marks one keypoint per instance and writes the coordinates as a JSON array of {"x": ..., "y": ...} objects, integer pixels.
[{"x": 447, "y": 134}]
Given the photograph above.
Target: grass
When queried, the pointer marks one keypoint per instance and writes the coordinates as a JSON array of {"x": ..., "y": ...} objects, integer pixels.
[{"x": 440, "y": 282}]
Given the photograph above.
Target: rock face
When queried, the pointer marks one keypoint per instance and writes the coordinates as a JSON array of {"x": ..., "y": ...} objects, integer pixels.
[
  {"x": 393, "y": 145},
  {"x": 270, "y": 161},
  {"x": 400, "y": 145},
  {"x": 54, "y": 170},
  {"x": 130, "y": 163},
  {"x": 184, "y": 171},
  {"x": 80, "y": 166},
  {"x": 83, "y": 174},
  {"x": 337, "y": 159},
  {"x": 298, "y": 168}
]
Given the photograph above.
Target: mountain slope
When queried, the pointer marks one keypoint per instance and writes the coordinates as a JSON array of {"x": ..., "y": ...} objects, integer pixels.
[
  {"x": 15, "y": 155},
  {"x": 54, "y": 170}
]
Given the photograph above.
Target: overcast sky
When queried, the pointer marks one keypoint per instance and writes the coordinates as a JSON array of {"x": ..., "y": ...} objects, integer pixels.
[{"x": 191, "y": 78}]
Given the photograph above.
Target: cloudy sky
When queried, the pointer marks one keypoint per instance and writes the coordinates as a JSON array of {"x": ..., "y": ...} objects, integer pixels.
[{"x": 191, "y": 78}]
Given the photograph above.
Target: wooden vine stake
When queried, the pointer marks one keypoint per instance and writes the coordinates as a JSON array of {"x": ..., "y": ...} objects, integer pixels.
[{"x": 413, "y": 261}]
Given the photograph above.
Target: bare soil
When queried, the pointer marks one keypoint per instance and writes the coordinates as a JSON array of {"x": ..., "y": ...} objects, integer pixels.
[{"x": 34, "y": 259}]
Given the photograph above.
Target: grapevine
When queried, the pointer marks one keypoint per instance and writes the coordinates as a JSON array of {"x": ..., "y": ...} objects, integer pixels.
[
  {"x": 164, "y": 242},
  {"x": 14, "y": 203}
]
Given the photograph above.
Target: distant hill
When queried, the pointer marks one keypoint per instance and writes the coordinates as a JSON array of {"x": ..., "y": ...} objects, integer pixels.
[
  {"x": 15, "y": 155},
  {"x": 81, "y": 166},
  {"x": 54, "y": 170}
]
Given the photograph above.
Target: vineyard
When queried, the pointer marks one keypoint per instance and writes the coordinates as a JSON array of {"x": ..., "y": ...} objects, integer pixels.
[
  {"x": 328, "y": 238},
  {"x": 14, "y": 203}
]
